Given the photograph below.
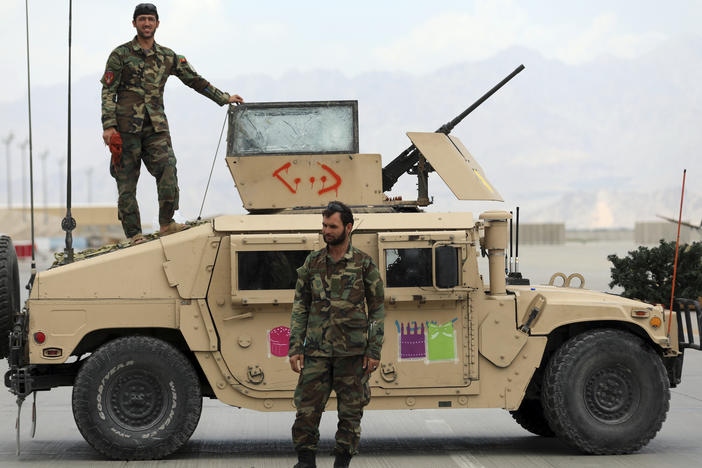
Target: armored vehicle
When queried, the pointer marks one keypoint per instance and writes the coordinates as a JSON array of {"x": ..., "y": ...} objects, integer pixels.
[{"x": 142, "y": 333}]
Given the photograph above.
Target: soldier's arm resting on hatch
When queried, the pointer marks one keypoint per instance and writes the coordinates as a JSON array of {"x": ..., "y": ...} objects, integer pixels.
[
  {"x": 375, "y": 298},
  {"x": 300, "y": 311},
  {"x": 187, "y": 74},
  {"x": 110, "y": 83}
]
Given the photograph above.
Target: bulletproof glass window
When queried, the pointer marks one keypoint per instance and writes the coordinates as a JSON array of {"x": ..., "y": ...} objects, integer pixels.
[
  {"x": 269, "y": 269},
  {"x": 412, "y": 267},
  {"x": 408, "y": 267},
  {"x": 317, "y": 127},
  {"x": 446, "y": 266}
]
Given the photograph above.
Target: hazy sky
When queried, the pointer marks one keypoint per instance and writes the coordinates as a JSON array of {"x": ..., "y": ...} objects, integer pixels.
[{"x": 223, "y": 39}]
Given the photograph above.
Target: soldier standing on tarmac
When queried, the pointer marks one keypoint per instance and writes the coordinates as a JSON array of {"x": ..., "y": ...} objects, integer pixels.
[
  {"x": 334, "y": 345},
  {"x": 134, "y": 122}
]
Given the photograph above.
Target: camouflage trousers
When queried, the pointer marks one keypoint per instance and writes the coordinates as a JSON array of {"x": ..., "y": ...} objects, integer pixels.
[
  {"x": 346, "y": 376},
  {"x": 155, "y": 150}
]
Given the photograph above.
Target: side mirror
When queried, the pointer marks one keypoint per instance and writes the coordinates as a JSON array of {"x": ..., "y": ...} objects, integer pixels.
[{"x": 446, "y": 267}]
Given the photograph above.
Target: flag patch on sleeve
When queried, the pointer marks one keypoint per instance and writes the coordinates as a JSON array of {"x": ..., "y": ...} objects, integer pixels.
[
  {"x": 182, "y": 59},
  {"x": 109, "y": 78}
]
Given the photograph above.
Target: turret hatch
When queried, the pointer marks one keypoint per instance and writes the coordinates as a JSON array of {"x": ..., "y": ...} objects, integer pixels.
[{"x": 455, "y": 165}]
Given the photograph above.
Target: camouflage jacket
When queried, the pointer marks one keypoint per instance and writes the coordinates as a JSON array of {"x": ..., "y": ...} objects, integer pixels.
[
  {"x": 133, "y": 82},
  {"x": 329, "y": 313}
]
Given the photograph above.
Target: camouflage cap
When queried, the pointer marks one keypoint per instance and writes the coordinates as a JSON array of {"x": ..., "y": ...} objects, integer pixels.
[{"x": 145, "y": 9}]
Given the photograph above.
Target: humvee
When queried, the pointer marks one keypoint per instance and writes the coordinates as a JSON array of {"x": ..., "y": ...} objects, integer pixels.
[{"x": 142, "y": 333}]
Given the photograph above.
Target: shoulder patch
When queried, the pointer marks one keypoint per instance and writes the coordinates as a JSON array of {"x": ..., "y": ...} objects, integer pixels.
[
  {"x": 181, "y": 59},
  {"x": 109, "y": 78}
]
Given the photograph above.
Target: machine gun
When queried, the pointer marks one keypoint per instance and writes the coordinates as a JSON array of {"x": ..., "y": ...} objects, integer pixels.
[{"x": 406, "y": 161}]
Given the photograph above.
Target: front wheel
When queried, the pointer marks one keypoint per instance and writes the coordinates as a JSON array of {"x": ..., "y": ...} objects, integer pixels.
[
  {"x": 137, "y": 398},
  {"x": 606, "y": 392}
]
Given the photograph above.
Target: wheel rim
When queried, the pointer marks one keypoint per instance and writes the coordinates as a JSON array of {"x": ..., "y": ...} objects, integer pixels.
[
  {"x": 136, "y": 399},
  {"x": 611, "y": 394}
]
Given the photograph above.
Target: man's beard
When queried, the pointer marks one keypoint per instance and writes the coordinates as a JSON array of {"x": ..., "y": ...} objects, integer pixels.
[
  {"x": 337, "y": 240},
  {"x": 145, "y": 35}
]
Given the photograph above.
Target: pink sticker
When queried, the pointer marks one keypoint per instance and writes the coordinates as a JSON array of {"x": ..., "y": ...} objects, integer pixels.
[{"x": 279, "y": 339}]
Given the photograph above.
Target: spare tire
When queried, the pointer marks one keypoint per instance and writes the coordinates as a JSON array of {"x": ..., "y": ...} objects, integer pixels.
[{"x": 9, "y": 292}]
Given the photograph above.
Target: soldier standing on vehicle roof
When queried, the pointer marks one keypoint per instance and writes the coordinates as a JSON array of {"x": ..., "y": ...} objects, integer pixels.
[
  {"x": 134, "y": 121},
  {"x": 334, "y": 345}
]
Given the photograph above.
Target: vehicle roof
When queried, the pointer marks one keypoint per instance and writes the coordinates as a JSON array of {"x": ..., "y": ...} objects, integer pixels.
[{"x": 363, "y": 222}]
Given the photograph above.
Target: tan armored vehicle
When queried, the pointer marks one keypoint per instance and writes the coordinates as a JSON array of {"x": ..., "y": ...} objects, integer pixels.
[{"x": 143, "y": 333}]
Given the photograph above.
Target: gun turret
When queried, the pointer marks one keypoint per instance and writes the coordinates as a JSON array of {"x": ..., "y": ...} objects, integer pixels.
[{"x": 406, "y": 161}]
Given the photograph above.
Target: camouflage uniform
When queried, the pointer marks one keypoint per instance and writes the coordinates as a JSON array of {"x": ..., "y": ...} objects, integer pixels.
[
  {"x": 132, "y": 101},
  {"x": 330, "y": 327}
]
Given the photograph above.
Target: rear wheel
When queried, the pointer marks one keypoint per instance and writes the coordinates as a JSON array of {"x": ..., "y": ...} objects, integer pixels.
[
  {"x": 606, "y": 392},
  {"x": 137, "y": 398},
  {"x": 9, "y": 292},
  {"x": 530, "y": 415}
]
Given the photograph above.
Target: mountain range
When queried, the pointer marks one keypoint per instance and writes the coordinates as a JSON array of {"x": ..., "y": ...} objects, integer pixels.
[{"x": 595, "y": 146}]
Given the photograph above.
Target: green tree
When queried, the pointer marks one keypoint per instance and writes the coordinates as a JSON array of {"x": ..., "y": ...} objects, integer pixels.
[{"x": 647, "y": 273}]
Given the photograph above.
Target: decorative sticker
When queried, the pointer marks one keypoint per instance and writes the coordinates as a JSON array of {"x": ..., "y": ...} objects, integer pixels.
[
  {"x": 279, "y": 341},
  {"x": 412, "y": 341},
  {"x": 428, "y": 341},
  {"x": 441, "y": 341}
]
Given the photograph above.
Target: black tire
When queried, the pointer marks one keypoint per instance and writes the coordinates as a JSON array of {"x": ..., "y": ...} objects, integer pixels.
[
  {"x": 137, "y": 398},
  {"x": 530, "y": 415},
  {"x": 606, "y": 392},
  {"x": 9, "y": 292}
]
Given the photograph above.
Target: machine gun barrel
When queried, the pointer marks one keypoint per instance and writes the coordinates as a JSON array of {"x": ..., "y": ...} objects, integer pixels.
[{"x": 409, "y": 157}]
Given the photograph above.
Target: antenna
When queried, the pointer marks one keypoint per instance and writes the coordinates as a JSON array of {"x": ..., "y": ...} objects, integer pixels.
[
  {"x": 510, "y": 242},
  {"x": 69, "y": 224},
  {"x": 514, "y": 277},
  {"x": 204, "y": 195},
  {"x": 677, "y": 249},
  {"x": 23, "y": 147},
  {"x": 516, "y": 244},
  {"x": 31, "y": 160}
]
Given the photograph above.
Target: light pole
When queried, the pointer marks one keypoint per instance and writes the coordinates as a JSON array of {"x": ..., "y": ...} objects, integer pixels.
[
  {"x": 7, "y": 142},
  {"x": 23, "y": 147},
  {"x": 89, "y": 179},
  {"x": 43, "y": 157}
]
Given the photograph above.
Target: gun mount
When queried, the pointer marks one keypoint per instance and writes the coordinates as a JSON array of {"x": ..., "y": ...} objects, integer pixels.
[
  {"x": 411, "y": 159},
  {"x": 301, "y": 155}
]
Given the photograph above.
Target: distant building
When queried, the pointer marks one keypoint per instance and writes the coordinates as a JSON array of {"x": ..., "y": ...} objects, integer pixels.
[
  {"x": 650, "y": 232},
  {"x": 541, "y": 233}
]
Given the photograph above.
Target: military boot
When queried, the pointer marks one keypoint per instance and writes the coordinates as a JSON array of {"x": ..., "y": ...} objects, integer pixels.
[
  {"x": 342, "y": 460},
  {"x": 305, "y": 459}
]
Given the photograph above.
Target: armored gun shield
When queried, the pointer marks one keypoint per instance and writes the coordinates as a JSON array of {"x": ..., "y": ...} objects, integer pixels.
[{"x": 305, "y": 154}]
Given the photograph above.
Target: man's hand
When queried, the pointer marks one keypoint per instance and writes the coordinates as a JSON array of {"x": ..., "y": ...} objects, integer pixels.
[
  {"x": 297, "y": 362},
  {"x": 370, "y": 364},
  {"x": 235, "y": 98},
  {"x": 107, "y": 133}
]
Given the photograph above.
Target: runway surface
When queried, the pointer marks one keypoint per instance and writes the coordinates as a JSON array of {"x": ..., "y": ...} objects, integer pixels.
[{"x": 422, "y": 438}]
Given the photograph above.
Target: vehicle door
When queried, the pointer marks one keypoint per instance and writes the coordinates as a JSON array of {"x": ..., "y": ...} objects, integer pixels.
[
  {"x": 428, "y": 334},
  {"x": 255, "y": 331}
]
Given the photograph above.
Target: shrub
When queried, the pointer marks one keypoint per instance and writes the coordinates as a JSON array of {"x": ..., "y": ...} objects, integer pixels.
[{"x": 647, "y": 273}]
